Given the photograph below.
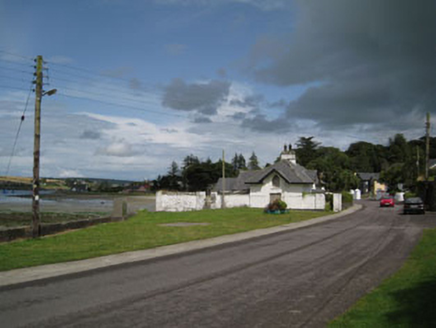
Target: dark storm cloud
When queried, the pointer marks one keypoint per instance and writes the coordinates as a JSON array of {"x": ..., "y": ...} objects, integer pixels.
[
  {"x": 261, "y": 124},
  {"x": 135, "y": 84},
  {"x": 373, "y": 59},
  {"x": 202, "y": 119},
  {"x": 252, "y": 101},
  {"x": 90, "y": 134},
  {"x": 201, "y": 97},
  {"x": 238, "y": 116}
]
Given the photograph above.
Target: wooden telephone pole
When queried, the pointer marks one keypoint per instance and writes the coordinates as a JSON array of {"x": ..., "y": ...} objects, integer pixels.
[
  {"x": 427, "y": 147},
  {"x": 36, "y": 226},
  {"x": 223, "y": 203}
]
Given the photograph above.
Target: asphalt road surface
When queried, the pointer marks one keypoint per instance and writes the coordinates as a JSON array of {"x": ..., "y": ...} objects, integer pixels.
[{"x": 300, "y": 278}]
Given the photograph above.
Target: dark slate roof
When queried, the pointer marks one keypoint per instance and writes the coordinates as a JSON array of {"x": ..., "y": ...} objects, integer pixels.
[
  {"x": 432, "y": 162},
  {"x": 235, "y": 184},
  {"x": 368, "y": 176},
  {"x": 290, "y": 172}
]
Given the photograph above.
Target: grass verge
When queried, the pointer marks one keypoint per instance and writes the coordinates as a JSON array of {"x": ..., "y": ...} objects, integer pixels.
[
  {"x": 15, "y": 219},
  {"x": 140, "y": 232},
  {"x": 404, "y": 300}
]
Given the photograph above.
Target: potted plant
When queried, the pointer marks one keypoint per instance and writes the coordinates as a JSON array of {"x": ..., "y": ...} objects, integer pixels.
[{"x": 276, "y": 207}]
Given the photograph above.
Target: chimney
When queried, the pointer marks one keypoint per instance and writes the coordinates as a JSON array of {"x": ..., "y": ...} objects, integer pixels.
[{"x": 288, "y": 155}]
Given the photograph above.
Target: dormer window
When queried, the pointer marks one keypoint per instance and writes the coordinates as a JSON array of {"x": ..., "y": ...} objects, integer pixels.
[{"x": 276, "y": 181}]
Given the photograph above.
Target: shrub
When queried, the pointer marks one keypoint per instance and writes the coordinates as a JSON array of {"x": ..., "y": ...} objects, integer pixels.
[
  {"x": 277, "y": 205},
  {"x": 347, "y": 197},
  {"x": 329, "y": 202},
  {"x": 409, "y": 195}
]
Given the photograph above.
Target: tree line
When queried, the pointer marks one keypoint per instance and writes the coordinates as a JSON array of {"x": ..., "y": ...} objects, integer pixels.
[{"x": 400, "y": 161}]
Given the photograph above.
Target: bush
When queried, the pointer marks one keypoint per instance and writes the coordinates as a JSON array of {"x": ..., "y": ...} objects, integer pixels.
[
  {"x": 277, "y": 205},
  {"x": 329, "y": 202},
  {"x": 409, "y": 195},
  {"x": 347, "y": 197}
]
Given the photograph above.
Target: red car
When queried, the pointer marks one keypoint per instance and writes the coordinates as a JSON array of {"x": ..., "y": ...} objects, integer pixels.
[{"x": 387, "y": 201}]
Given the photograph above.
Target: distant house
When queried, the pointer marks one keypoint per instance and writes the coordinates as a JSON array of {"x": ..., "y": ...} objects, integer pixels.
[
  {"x": 285, "y": 180},
  {"x": 369, "y": 183},
  {"x": 80, "y": 186}
]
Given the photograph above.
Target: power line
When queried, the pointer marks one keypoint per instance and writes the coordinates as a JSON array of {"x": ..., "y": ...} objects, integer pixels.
[
  {"x": 102, "y": 94},
  {"x": 122, "y": 106},
  {"x": 10, "y": 87},
  {"x": 15, "y": 70},
  {"x": 100, "y": 80},
  {"x": 16, "y": 55},
  {"x": 87, "y": 71},
  {"x": 13, "y": 78},
  {"x": 18, "y": 131},
  {"x": 15, "y": 63}
]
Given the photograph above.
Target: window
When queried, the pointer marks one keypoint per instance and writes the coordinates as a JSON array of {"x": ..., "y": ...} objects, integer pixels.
[{"x": 276, "y": 181}]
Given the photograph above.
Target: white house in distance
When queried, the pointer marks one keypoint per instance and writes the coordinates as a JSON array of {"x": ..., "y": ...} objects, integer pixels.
[{"x": 285, "y": 180}]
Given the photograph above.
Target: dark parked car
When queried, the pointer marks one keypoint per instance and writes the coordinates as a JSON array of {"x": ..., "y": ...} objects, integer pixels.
[{"x": 414, "y": 205}]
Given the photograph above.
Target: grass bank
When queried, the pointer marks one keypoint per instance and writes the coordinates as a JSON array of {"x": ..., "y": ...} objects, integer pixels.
[
  {"x": 404, "y": 300},
  {"x": 16, "y": 219},
  {"x": 140, "y": 232}
]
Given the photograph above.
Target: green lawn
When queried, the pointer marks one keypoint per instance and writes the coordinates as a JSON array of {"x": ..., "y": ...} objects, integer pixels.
[
  {"x": 140, "y": 232},
  {"x": 407, "y": 299}
]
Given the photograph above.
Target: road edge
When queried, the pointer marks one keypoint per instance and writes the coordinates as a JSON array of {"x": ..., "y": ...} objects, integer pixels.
[{"x": 30, "y": 274}]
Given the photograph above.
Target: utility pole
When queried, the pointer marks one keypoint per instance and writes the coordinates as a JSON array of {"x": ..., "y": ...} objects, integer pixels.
[
  {"x": 223, "y": 203},
  {"x": 417, "y": 163},
  {"x": 427, "y": 147},
  {"x": 36, "y": 231}
]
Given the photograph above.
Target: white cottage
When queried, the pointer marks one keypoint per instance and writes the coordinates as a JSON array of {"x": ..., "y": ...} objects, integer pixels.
[{"x": 285, "y": 180}]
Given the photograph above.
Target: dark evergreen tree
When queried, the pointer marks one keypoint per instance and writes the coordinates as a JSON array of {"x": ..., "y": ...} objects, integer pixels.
[
  {"x": 253, "y": 162},
  {"x": 306, "y": 150}
]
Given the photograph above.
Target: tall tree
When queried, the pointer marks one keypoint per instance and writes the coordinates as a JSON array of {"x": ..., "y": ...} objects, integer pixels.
[
  {"x": 241, "y": 162},
  {"x": 306, "y": 150},
  {"x": 174, "y": 177},
  {"x": 253, "y": 162},
  {"x": 235, "y": 162}
]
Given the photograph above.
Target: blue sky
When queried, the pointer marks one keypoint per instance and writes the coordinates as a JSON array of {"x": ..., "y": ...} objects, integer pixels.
[{"x": 142, "y": 83}]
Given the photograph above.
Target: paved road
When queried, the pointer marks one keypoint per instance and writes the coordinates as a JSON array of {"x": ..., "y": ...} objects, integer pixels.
[{"x": 301, "y": 278}]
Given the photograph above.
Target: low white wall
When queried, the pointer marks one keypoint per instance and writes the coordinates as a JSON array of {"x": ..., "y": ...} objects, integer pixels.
[
  {"x": 189, "y": 201},
  {"x": 337, "y": 202},
  {"x": 179, "y": 202},
  {"x": 231, "y": 200},
  {"x": 259, "y": 200}
]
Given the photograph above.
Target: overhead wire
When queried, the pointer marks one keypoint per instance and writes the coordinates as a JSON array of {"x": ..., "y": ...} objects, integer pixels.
[
  {"x": 12, "y": 87},
  {"x": 16, "y": 70},
  {"x": 121, "y": 106},
  {"x": 13, "y": 78},
  {"x": 15, "y": 55},
  {"x": 89, "y": 72},
  {"x": 18, "y": 130}
]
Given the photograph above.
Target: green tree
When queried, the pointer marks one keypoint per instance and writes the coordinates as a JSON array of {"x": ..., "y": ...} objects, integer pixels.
[
  {"x": 242, "y": 165},
  {"x": 253, "y": 162},
  {"x": 333, "y": 169},
  {"x": 393, "y": 176},
  {"x": 306, "y": 150}
]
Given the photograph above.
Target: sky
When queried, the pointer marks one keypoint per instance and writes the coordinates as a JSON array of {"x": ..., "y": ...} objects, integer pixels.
[{"x": 142, "y": 83}]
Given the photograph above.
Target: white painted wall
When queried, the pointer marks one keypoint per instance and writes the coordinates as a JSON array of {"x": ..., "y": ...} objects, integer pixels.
[
  {"x": 294, "y": 195},
  {"x": 230, "y": 200},
  {"x": 291, "y": 194},
  {"x": 179, "y": 202},
  {"x": 337, "y": 202}
]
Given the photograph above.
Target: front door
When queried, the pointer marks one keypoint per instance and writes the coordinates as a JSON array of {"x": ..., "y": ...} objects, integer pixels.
[{"x": 273, "y": 197}]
